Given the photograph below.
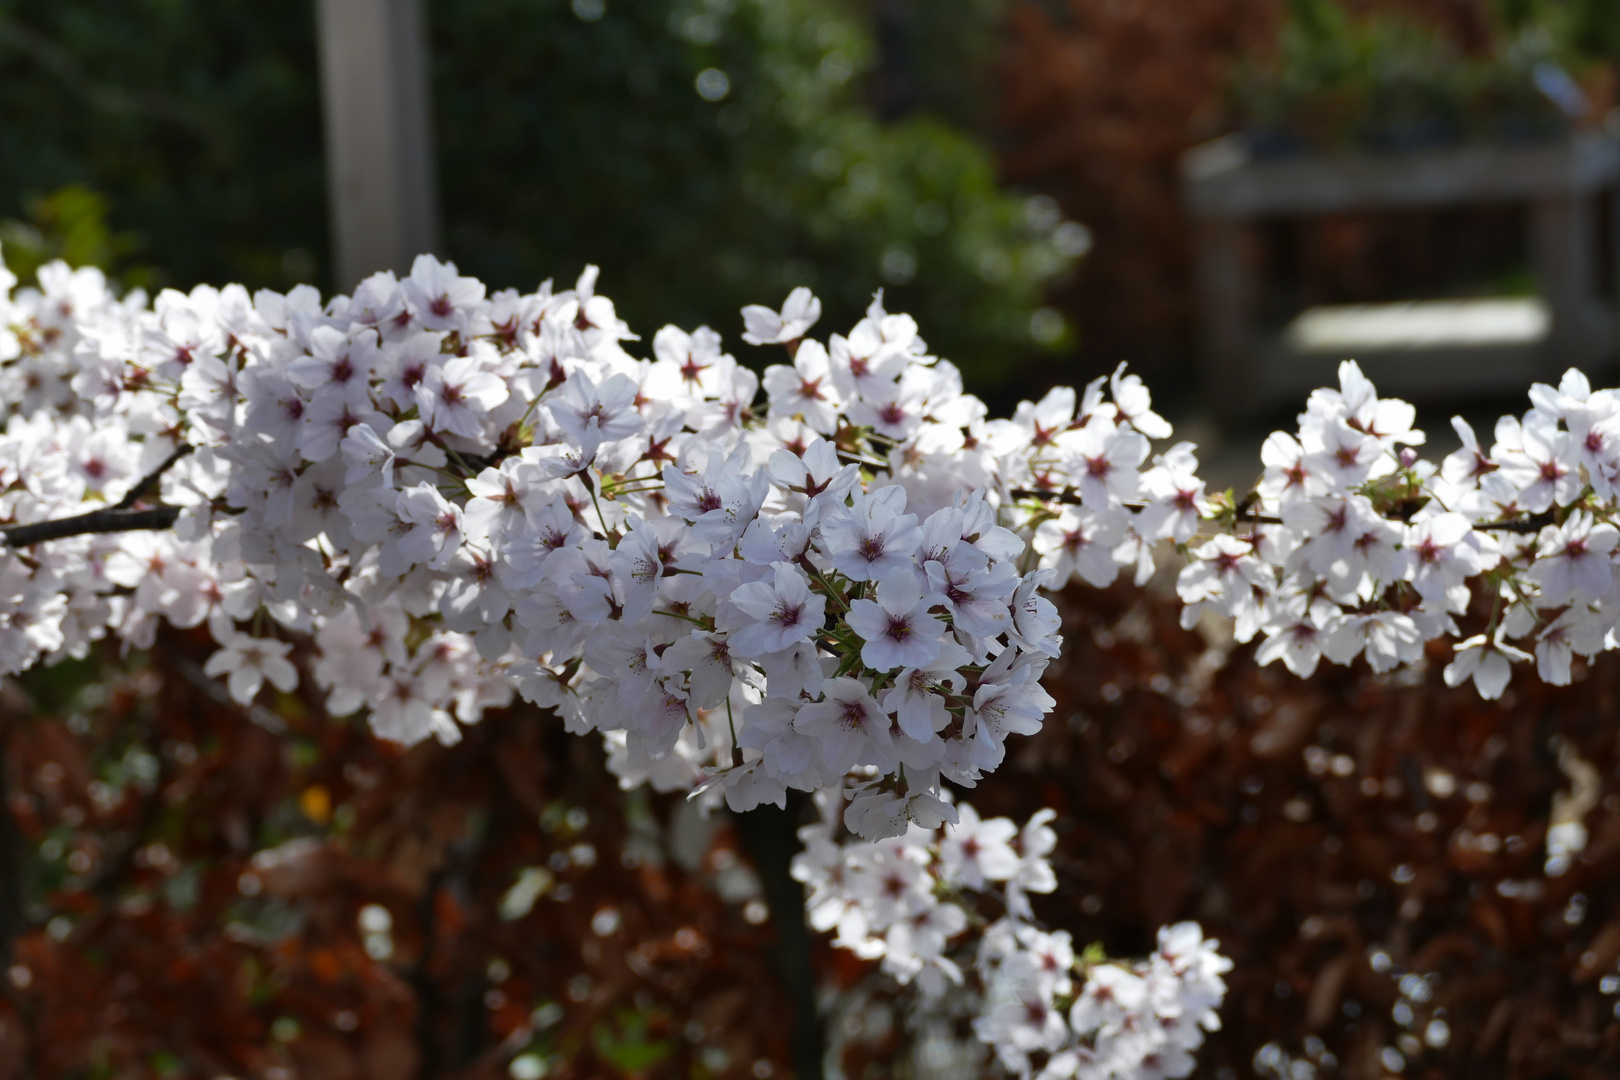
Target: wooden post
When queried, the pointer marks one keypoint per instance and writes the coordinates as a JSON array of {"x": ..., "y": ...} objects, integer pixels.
[
  {"x": 1224, "y": 300},
  {"x": 1562, "y": 251},
  {"x": 1613, "y": 352},
  {"x": 379, "y": 138}
]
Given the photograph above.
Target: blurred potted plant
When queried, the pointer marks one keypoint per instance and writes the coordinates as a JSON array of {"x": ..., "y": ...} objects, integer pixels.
[{"x": 1385, "y": 82}]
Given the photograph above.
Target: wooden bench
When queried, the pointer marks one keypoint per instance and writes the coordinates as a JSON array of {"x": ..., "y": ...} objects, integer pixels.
[{"x": 1226, "y": 191}]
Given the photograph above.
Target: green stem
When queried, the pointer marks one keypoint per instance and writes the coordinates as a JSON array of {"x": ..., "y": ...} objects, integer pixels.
[
  {"x": 590, "y": 487},
  {"x": 1518, "y": 591},
  {"x": 628, "y": 490},
  {"x": 459, "y": 460},
  {"x": 460, "y": 480},
  {"x": 678, "y": 615},
  {"x": 831, "y": 593},
  {"x": 524, "y": 419},
  {"x": 731, "y": 721}
]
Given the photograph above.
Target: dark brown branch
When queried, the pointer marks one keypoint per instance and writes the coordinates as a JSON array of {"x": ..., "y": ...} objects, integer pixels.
[
  {"x": 430, "y": 1058},
  {"x": 97, "y": 521},
  {"x": 770, "y": 836},
  {"x": 120, "y": 517},
  {"x": 1533, "y": 524},
  {"x": 1069, "y": 498},
  {"x": 148, "y": 483},
  {"x": 197, "y": 677}
]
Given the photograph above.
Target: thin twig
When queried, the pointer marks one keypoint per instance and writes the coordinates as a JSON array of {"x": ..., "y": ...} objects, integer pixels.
[
  {"x": 1069, "y": 498},
  {"x": 1533, "y": 524},
  {"x": 120, "y": 517},
  {"x": 148, "y": 483},
  {"x": 194, "y": 674}
]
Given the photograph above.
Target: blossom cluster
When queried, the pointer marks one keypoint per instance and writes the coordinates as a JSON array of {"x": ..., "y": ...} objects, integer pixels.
[
  {"x": 453, "y": 496},
  {"x": 448, "y": 496},
  {"x": 1352, "y": 545},
  {"x": 917, "y": 902}
]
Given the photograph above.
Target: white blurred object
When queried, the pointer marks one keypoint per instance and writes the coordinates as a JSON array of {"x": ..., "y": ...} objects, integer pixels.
[{"x": 1419, "y": 324}]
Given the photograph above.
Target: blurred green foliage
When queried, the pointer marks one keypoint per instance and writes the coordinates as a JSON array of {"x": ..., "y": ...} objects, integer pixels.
[
  {"x": 707, "y": 153},
  {"x": 711, "y": 153},
  {"x": 1387, "y": 80},
  {"x": 69, "y": 224},
  {"x": 197, "y": 121},
  {"x": 1590, "y": 29},
  {"x": 630, "y": 1049}
]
